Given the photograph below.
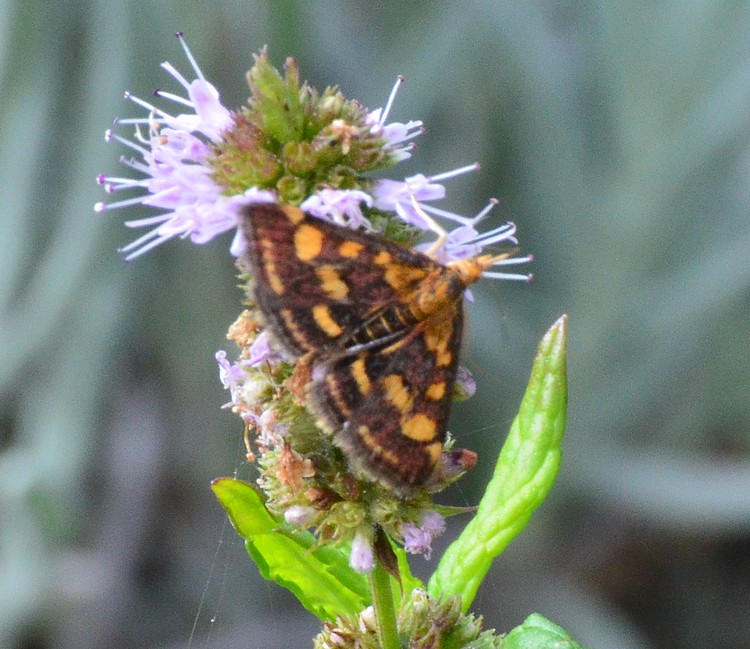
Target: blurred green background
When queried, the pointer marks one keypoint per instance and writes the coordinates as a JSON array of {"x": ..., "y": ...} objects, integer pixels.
[{"x": 615, "y": 134}]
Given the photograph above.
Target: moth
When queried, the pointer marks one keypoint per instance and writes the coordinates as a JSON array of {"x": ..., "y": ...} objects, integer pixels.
[{"x": 375, "y": 327}]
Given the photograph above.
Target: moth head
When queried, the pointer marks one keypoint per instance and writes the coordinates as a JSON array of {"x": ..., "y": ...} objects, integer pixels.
[{"x": 470, "y": 270}]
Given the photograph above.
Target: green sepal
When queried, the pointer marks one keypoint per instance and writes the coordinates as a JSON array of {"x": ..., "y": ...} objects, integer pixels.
[
  {"x": 319, "y": 576},
  {"x": 277, "y": 101},
  {"x": 453, "y": 510},
  {"x": 537, "y": 632},
  {"x": 524, "y": 474}
]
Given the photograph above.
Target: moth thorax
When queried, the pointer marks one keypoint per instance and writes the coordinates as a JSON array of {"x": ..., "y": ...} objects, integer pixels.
[
  {"x": 448, "y": 287},
  {"x": 434, "y": 296}
]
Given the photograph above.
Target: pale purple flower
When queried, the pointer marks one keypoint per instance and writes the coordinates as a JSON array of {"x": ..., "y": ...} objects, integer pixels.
[
  {"x": 466, "y": 241},
  {"x": 466, "y": 385},
  {"x": 459, "y": 243},
  {"x": 404, "y": 197},
  {"x": 301, "y": 515},
  {"x": 409, "y": 199},
  {"x": 394, "y": 133},
  {"x": 247, "y": 389},
  {"x": 433, "y": 523},
  {"x": 261, "y": 350},
  {"x": 361, "y": 557},
  {"x": 232, "y": 376},
  {"x": 341, "y": 206},
  {"x": 175, "y": 175},
  {"x": 271, "y": 431},
  {"x": 418, "y": 540}
]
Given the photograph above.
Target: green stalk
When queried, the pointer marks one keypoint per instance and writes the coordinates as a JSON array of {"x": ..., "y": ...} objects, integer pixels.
[{"x": 382, "y": 602}]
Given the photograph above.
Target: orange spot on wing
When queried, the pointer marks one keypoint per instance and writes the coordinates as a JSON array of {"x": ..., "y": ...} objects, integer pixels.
[
  {"x": 438, "y": 339},
  {"x": 294, "y": 214},
  {"x": 331, "y": 282},
  {"x": 308, "y": 242},
  {"x": 397, "y": 393},
  {"x": 382, "y": 258},
  {"x": 350, "y": 249},
  {"x": 359, "y": 373},
  {"x": 419, "y": 427},
  {"x": 402, "y": 277},
  {"x": 434, "y": 450},
  {"x": 436, "y": 391},
  {"x": 324, "y": 319}
]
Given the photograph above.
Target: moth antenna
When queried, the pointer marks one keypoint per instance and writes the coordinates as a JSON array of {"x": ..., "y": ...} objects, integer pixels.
[{"x": 434, "y": 226}]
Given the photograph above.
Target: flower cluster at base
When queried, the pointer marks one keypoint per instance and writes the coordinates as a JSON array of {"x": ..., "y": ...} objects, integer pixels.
[
  {"x": 295, "y": 146},
  {"x": 305, "y": 476},
  {"x": 422, "y": 622}
]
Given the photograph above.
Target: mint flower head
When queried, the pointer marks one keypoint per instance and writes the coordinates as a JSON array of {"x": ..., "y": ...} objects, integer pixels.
[{"x": 201, "y": 164}]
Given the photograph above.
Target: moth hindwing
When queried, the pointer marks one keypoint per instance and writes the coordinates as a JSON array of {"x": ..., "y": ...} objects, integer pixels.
[{"x": 377, "y": 327}]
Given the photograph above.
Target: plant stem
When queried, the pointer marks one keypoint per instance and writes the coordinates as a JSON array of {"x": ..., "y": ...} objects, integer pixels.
[{"x": 382, "y": 601}]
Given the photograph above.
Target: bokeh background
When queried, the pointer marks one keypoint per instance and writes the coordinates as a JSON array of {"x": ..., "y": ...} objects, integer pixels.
[{"x": 615, "y": 134}]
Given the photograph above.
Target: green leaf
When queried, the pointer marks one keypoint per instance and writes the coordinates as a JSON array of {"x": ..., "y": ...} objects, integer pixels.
[
  {"x": 524, "y": 474},
  {"x": 320, "y": 577},
  {"x": 537, "y": 632}
]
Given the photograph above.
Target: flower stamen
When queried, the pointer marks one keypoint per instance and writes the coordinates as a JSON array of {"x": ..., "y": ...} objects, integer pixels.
[
  {"x": 172, "y": 97},
  {"x": 190, "y": 57},
  {"x": 456, "y": 172},
  {"x": 389, "y": 103},
  {"x": 148, "y": 106}
]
